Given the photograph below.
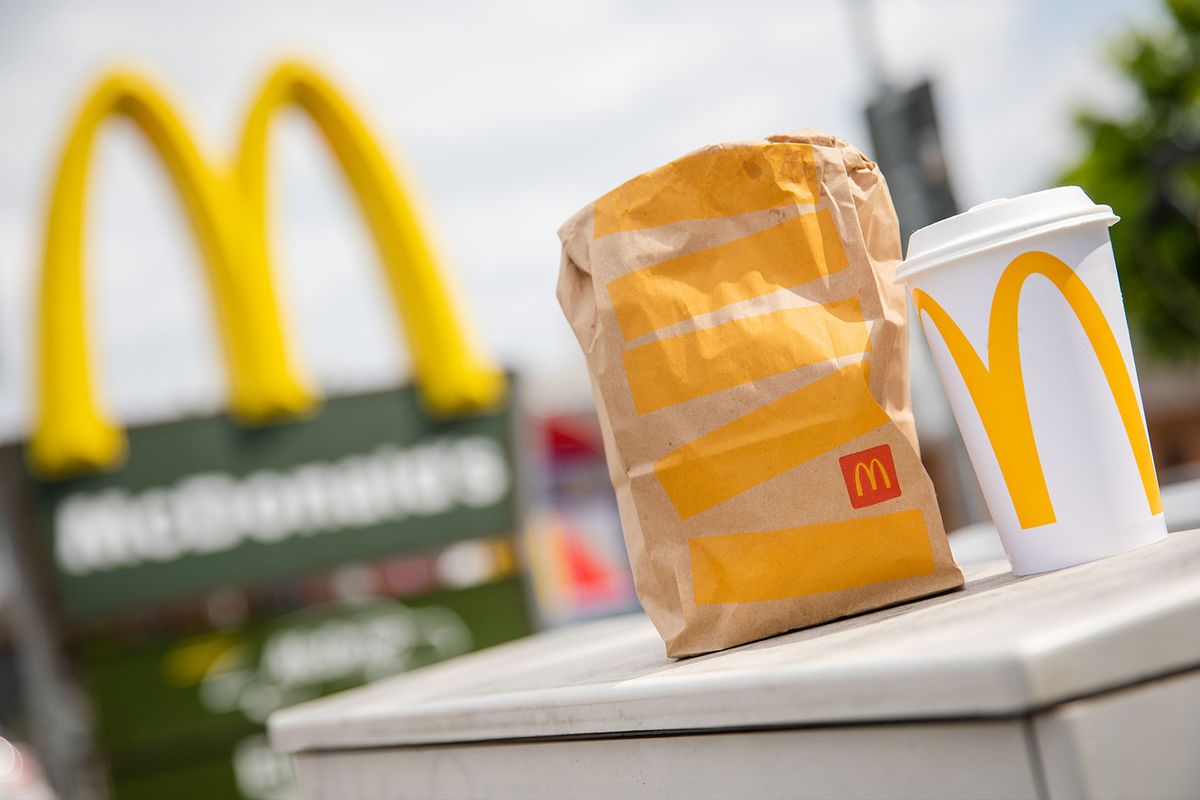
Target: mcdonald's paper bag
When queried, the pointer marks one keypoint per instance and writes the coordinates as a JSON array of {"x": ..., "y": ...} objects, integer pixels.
[{"x": 748, "y": 354}]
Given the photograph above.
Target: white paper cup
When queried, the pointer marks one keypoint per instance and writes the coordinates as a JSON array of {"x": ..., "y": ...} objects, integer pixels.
[{"x": 1021, "y": 307}]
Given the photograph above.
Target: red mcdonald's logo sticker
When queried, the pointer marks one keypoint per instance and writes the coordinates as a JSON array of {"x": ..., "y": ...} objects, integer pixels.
[{"x": 870, "y": 476}]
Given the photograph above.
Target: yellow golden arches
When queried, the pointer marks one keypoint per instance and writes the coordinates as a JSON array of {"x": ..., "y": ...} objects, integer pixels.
[
  {"x": 227, "y": 211},
  {"x": 998, "y": 389}
]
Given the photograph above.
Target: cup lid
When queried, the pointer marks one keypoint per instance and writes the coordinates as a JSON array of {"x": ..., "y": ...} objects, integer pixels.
[{"x": 1000, "y": 222}]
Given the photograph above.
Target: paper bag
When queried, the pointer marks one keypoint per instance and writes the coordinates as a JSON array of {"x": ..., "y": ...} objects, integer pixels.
[{"x": 749, "y": 359}]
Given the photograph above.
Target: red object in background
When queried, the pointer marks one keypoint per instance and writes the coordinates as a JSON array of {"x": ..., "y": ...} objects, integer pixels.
[
  {"x": 592, "y": 580},
  {"x": 870, "y": 476},
  {"x": 571, "y": 438}
]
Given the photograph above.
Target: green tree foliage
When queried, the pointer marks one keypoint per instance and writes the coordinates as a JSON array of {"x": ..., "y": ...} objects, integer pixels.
[{"x": 1147, "y": 167}]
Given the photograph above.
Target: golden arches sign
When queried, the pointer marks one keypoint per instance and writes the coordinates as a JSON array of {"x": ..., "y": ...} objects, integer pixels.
[
  {"x": 998, "y": 389},
  {"x": 227, "y": 211}
]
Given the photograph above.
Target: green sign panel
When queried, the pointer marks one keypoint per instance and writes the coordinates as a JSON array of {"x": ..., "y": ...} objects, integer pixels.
[
  {"x": 204, "y": 503},
  {"x": 183, "y": 716}
]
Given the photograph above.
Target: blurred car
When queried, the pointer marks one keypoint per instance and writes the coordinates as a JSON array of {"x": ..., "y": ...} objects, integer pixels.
[{"x": 21, "y": 775}]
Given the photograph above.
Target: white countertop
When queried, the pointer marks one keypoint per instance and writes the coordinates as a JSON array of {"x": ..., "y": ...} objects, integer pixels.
[{"x": 1000, "y": 647}]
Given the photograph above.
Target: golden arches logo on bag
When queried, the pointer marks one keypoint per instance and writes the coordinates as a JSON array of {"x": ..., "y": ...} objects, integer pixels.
[
  {"x": 226, "y": 205},
  {"x": 870, "y": 476},
  {"x": 871, "y": 470},
  {"x": 998, "y": 388}
]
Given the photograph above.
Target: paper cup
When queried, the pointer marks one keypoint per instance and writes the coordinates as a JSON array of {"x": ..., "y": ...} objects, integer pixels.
[{"x": 1021, "y": 307}]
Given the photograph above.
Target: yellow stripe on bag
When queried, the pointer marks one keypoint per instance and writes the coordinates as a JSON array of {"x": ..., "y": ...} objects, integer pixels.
[
  {"x": 770, "y": 440},
  {"x": 813, "y": 559},
  {"x": 710, "y": 185},
  {"x": 701, "y": 362},
  {"x": 795, "y": 251}
]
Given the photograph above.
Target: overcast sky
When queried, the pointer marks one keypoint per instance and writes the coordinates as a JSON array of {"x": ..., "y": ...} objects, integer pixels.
[{"x": 510, "y": 115}]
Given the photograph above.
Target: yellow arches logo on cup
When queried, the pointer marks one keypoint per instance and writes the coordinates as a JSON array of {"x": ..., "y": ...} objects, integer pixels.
[
  {"x": 998, "y": 389},
  {"x": 226, "y": 206}
]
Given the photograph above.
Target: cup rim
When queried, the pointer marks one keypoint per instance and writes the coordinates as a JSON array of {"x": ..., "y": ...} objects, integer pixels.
[{"x": 1004, "y": 228}]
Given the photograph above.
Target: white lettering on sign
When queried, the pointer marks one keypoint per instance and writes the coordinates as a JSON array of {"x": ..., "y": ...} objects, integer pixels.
[{"x": 212, "y": 512}]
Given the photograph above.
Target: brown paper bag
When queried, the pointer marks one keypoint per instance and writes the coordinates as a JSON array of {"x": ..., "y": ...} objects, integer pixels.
[{"x": 749, "y": 359}]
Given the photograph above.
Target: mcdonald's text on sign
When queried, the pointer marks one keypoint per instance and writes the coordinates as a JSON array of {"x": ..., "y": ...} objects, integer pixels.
[
  {"x": 203, "y": 503},
  {"x": 870, "y": 476}
]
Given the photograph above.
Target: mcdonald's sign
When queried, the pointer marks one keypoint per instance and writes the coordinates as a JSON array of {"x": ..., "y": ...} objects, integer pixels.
[
  {"x": 127, "y": 537},
  {"x": 163, "y": 511}
]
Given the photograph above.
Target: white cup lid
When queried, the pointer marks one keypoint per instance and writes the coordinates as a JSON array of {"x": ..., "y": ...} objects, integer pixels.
[{"x": 1000, "y": 222}]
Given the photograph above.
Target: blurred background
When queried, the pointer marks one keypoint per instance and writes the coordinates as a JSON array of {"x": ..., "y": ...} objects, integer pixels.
[{"x": 508, "y": 117}]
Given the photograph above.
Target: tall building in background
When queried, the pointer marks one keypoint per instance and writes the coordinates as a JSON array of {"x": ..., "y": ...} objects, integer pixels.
[{"x": 908, "y": 147}]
